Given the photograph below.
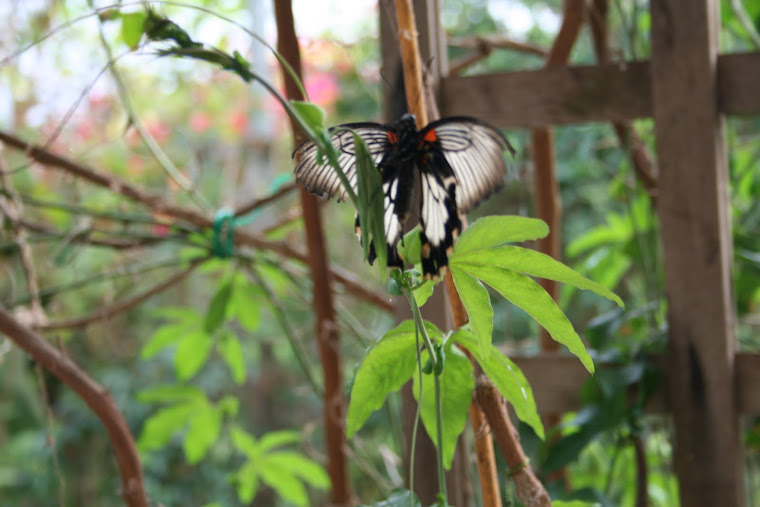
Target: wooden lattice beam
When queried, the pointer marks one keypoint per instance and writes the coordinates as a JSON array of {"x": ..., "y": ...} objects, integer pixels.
[{"x": 583, "y": 94}]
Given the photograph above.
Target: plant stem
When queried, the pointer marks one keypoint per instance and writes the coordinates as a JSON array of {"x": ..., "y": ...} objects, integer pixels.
[
  {"x": 420, "y": 327},
  {"x": 439, "y": 436}
]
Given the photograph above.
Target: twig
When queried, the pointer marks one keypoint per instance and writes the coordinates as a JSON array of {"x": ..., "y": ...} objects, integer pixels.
[
  {"x": 122, "y": 306},
  {"x": 96, "y": 397},
  {"x": 327, "y": 330},
  {"x": 158, "y": 205}
]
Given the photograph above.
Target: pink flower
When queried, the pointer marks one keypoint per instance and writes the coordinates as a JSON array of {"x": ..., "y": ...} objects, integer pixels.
[{"x": 199, "y": 122}]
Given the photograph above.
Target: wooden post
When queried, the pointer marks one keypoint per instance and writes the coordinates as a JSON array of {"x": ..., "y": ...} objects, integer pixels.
[{"x": 693, "y": 206}]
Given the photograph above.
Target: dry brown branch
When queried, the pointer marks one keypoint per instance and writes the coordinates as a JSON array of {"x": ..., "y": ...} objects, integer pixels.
[
  {"x": 642, "y": 160},
  {"x": 327, "y": 330},
  {"x": 158, "y": 205},
  {"x": 121, "y": 306},
  {"x": 96, "y": 397},
  {"x": 528, "y": 488}
]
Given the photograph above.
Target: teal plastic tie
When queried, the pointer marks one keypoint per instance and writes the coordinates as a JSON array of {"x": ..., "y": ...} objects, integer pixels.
[{"x": 223, "y": 240}]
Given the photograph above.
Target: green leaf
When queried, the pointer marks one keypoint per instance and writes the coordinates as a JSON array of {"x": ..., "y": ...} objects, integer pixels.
[
  {"x": 159, "y": 428},
  {"x": 387, "y": 366},
  {"x": 232, "y": 352},
  {"x": 423, "y": 292},
  {"x": 192, "y": 352},
  {"x": 525, "y": 293},
  {"x": 489, "y": 232},
  {"x": 245, "y": 443},
  {"x": 310, "y": 113},
  {"x": 245, "y": 307},
  {"x": 168, "y": 393},
  {"x": 203, "y": 431},
  {"x": 228, "y": 405},
  {"x": 163, "y": 337},
  {"x": 371, "y": 204},
  {"x": 247, "y": 478},
  {"x": 574, "y": 503},
  {"x": 398, "y": 498},
  {"x": 533, "y": 263},
  {"x": 477, "y": 302},
  {"x": 180, "y": 314},
  {"x": 132, "y": 26},
  {"x": 278, "y": 438},
  {"x": 217, "y": 309},
  {"x": 284, "y": 482},
  {"x": 507, "y": 378},
  {"x": 309, "y": 471},
  {"x": 457, "y": 383},
  {"x": 410, "y": 249}
]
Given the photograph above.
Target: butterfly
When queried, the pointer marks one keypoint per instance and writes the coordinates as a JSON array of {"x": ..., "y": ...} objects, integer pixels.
[{"x": 460, "y": 161}]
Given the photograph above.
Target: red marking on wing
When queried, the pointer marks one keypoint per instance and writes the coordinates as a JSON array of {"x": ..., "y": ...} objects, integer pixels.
[
  {"x": 431, "y": 136},
  {"x": 392, "y": 137}
]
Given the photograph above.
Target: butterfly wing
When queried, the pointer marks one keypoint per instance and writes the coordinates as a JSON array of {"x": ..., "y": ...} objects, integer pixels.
[
  {"x": 439, "y": 219},
  {"x": 461, "y": 162},
  {"x": 475, "y": 152},
  {"x": 321, "y": 178}
]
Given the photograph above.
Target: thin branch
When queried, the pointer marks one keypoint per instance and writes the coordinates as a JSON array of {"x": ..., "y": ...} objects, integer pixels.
[
  {"x": 529, "y": 489},
  {"x": 258, "y": 203},
  {"x": 496, "y": 41},
  {"x": 158, "y": 205},
  {"x": 122, "y": 306},
  {"x": 95, "y": 396},
  {"x": 484, "y": 46}
]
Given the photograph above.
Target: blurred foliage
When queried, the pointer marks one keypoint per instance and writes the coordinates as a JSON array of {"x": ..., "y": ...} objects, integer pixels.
[{"x": 202, "y": 368}]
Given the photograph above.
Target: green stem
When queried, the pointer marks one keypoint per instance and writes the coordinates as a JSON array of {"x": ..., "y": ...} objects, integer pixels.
[
  {"x": 420, "y": 327},
  {"x": 439, "y": 437},
  {"x": 413, "y": 447}
]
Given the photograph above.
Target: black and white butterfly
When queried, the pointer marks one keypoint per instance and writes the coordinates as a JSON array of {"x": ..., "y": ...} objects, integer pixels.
[{"x": 460, "y": 161}]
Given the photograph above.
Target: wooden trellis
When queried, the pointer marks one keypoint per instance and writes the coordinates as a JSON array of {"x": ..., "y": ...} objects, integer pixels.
[{"x": 687, "y": 88}]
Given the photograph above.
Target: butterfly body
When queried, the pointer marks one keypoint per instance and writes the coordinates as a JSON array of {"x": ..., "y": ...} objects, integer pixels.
[{"x": 459, "y": 161}]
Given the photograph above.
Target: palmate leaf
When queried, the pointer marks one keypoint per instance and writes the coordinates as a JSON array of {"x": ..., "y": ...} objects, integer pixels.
[
  {"x": 203, "y": 431},
  {"x": 507, "y": 377},
  {"x": 525, "y": 293},
  {"x": 386, "y": 367},
  {"x": 533, "y": 263},
  {"x": 481, "y": 253},
  {"x": 489, "y": 232},
  {"x": 477, "y": 302}
]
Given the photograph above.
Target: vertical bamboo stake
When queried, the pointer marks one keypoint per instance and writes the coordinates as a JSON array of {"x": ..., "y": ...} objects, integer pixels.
[
  {"x": 327, "y": 329},
  {"x": 410, "y": 58}
]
